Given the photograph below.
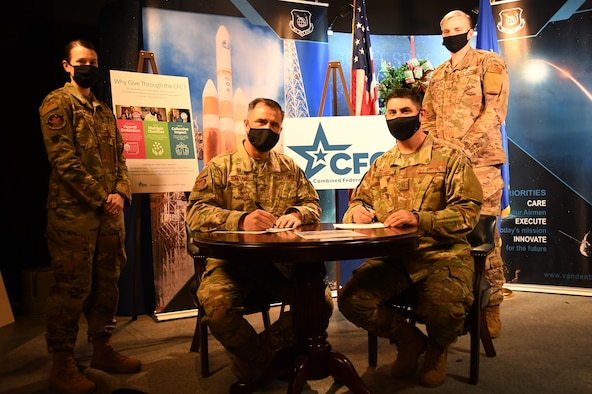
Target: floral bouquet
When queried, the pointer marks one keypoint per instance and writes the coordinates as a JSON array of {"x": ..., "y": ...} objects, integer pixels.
[{"x": 414, "y": 74}]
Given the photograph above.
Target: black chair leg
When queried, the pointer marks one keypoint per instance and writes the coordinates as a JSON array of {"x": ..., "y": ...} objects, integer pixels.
[
  {"x": 372, "y": 349},
  {"x": 474, "y": 316},
  {"x": 486, "y": 338},
  {"x": 196, "y": 336},
  {"x": 266, "y": 319},
  {"x": 204, "y": 356}
]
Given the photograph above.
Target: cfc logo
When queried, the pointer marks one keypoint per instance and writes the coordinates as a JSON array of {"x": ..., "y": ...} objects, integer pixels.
[{"x": 321, "y": 154}]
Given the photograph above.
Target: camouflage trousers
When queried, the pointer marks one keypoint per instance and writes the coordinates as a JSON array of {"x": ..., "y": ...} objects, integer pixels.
[
  {"x": 87, "y": 252},
  {"x": 442, "y": 298},
  {"x": 492, "y": 184},
  {"x": 223, "y": 289}
]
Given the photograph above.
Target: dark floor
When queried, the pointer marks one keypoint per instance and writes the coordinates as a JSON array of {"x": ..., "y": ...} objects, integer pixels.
[{"x": 545, "y": 347}]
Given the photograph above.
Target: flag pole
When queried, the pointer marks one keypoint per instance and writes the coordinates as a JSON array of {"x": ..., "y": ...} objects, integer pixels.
[{"x": 352, "y": 40}]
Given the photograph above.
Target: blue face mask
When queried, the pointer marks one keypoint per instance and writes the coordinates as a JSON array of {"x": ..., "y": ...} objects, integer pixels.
[{"x": 263, "y": 139}]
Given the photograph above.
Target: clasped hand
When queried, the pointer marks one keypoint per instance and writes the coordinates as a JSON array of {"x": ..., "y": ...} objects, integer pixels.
[{"x": 113, "y": 205}]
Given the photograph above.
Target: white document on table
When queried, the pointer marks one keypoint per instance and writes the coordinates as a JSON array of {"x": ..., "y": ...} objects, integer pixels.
[
  {"x": 353, "y": 226},
  {"x": 329, "y": 234},
  {"x": 270, "y": 230}
]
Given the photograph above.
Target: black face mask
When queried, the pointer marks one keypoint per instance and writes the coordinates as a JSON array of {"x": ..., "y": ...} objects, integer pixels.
[
  {"x": 455, "y": 43},
  {"x": 403, "y": 128},
  {"x": 85, "y": 76},
  {"x": 263, "y": 139}
]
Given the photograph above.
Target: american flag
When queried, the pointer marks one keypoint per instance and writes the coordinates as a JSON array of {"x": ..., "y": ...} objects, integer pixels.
[{"x": 363, "y": 81}]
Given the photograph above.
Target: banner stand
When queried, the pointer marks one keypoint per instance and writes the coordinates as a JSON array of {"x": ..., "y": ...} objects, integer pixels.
[
  {"x": 143, "y": 60},
  {"x": 332, "y": 68}
]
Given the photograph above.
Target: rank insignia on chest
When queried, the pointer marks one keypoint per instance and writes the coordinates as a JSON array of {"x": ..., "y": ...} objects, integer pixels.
[{"x": 403, "y": 184}]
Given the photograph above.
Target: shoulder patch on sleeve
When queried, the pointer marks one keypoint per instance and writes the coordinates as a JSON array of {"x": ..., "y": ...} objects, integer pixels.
[
  {"x": 199, "y": 184},
  {"x": 52, "y": 114},
  {"x": 492, "y": 83},
  {"x": 56, "y": 121}
]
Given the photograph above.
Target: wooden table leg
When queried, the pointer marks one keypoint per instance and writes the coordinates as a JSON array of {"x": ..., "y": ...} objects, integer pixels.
[
  {"x": 312, "y": 357},
  {"x": 311, "y": 319}
]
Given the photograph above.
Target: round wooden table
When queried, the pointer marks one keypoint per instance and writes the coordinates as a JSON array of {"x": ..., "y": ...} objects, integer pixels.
[{"x": 312, "y": 357}]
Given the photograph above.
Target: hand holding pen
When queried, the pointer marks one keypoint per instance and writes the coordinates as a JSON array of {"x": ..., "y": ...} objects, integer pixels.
[
  {"x": 285, "y": 221},
  {"x": 258, "y": 219},
  {"x": 365, "y": 215}
]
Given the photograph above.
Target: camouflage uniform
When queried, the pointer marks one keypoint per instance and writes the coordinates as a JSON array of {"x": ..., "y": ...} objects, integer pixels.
[
  {"x": 224, "y": 192},
  {"x": 87, "y": 246},
  {"x": 467, "y": 104},
  {"x": 438, "y": 183}
]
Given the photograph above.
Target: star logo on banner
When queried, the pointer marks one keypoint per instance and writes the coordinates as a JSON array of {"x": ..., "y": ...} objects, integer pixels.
[{"x": 316, "y": 153}]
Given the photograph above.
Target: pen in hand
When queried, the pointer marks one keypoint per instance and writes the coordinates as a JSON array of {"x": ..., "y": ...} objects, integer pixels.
[
  {"x": 259, "y": 206},
  {"x": 369, "y": 209}
]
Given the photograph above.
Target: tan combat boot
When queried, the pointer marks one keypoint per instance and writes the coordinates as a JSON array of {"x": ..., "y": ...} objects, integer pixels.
[
  {"x": 494, "y": 322},
  {"x": 411, "y": 342},
  {"x": 433, "y": 371},
  {"x": 107, "y": 359},
  {"x": 65, "y": 377}
]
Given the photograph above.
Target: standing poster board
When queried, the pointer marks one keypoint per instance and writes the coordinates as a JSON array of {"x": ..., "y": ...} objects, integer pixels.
[{"x": 155, "y": 119}]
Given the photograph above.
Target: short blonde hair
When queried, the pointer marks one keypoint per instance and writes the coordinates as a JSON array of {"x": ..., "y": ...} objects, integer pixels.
[{"x": 454, "y": 13}]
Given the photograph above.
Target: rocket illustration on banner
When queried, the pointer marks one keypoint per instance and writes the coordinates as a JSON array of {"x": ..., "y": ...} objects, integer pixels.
[
  {"x": 223, "y": 113},
  {"x": 224, "y": 80},
  {"x": 211, "y": 121},
  {"x": 224, "y": 109}
]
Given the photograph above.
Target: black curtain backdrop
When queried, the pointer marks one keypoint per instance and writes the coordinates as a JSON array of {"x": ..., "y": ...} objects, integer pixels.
[
  {"x": 35, "y": 69},
  {"x": 32, "y": 49}
]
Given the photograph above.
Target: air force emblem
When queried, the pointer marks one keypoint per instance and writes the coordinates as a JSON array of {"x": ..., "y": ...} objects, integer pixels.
[
  {"x": 301, "y": 22},
  {"x": 511, "y": 21}
]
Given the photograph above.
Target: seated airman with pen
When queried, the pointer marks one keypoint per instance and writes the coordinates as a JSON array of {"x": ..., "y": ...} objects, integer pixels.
[
  {"x": 250, "y": 188},
  {"x": 426, "y": 182}
]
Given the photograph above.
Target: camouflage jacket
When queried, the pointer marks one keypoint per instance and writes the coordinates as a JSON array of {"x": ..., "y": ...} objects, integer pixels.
[
  {"x": 438, "y": 183},
  {"x": 85, "y": 150},
  {"x": 467, "y": 105},
  {"x": 230, "y": 184}
]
